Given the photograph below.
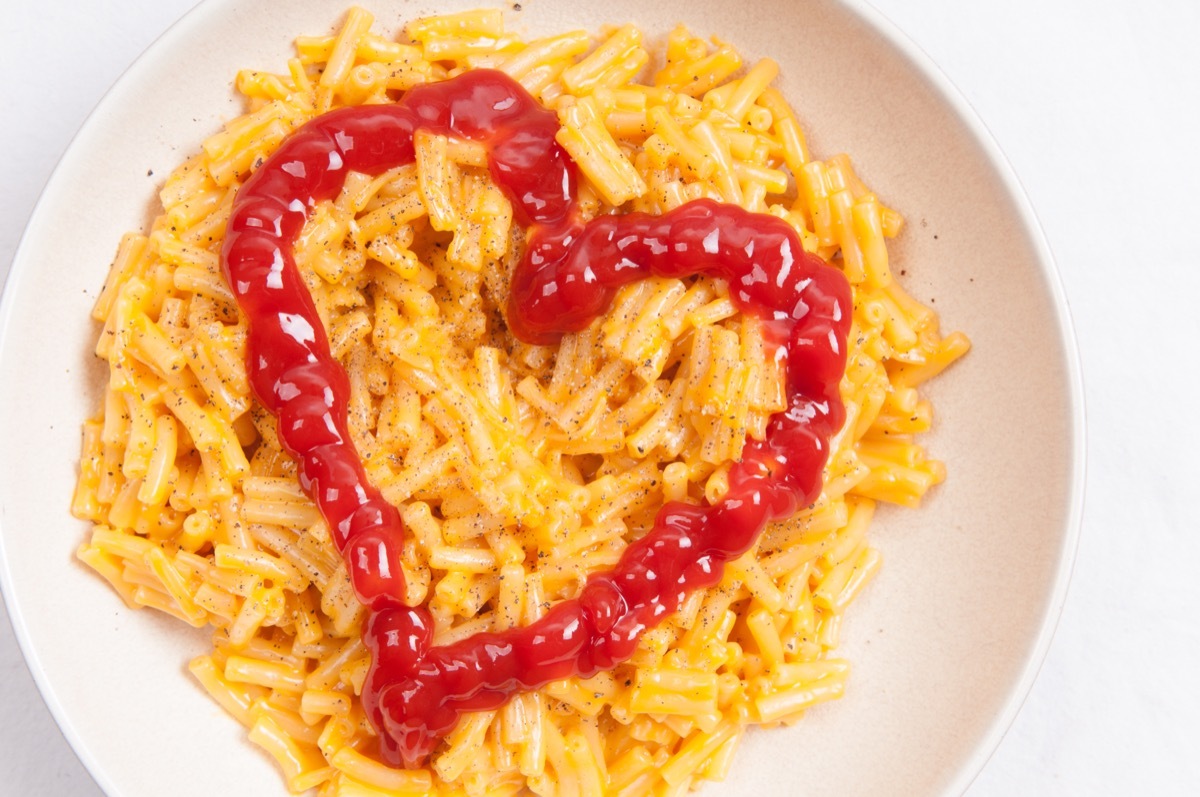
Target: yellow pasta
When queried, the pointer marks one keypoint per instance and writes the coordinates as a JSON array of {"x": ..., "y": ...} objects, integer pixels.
[{"x": 518, "y": 470}]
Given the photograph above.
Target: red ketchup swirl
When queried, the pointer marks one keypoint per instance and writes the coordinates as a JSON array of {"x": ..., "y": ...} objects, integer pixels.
[{"x": 415, "y": 692}]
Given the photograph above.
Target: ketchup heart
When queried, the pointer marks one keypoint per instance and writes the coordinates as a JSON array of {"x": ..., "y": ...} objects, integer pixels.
[{"x": 570, "y": 271}]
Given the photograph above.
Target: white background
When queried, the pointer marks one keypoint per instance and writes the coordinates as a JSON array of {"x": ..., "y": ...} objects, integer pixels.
[{"x": 1097, "y": 105}]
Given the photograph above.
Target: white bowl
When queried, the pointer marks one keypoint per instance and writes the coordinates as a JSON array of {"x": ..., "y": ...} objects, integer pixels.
[{"x": 945, "y": 643}]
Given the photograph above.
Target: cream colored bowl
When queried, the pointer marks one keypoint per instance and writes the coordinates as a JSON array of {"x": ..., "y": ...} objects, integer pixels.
[{"x": 945, "y": 643}]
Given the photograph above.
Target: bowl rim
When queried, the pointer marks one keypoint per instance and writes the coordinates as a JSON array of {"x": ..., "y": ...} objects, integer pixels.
[
  {"x": 1019, "y": 692},
  {"x": 969, "y": 768},
  {"x": 19, "y": 268}
]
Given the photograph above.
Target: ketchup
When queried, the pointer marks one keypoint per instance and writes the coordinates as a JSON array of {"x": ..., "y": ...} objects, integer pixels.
[{"x": 415, "y": 692}]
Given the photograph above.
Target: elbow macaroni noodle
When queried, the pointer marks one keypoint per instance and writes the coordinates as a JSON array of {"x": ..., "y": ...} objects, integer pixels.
[{"x": 518, "y": 469}]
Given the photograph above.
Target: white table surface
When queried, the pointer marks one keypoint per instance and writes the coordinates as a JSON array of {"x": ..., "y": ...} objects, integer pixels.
[{"x": 1097, "y": 106}]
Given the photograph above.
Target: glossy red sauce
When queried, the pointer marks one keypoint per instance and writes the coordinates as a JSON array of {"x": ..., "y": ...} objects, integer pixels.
[{"x": 415, "y": 692}]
